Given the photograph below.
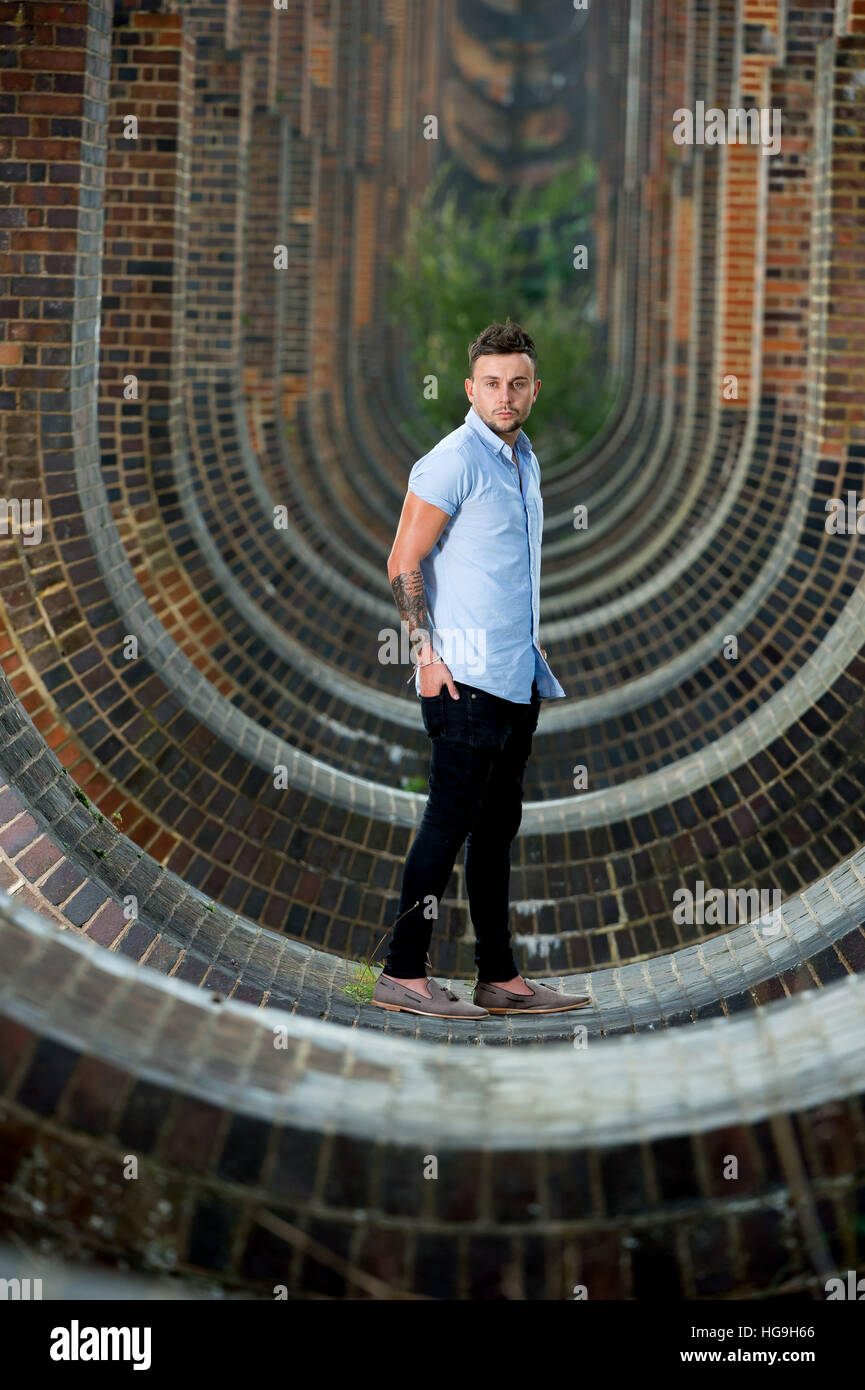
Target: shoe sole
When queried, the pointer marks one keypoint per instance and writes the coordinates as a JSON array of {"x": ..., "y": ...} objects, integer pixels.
[
  {"x": 424, "y": 1013},
  {"x": 558, "y": 1009}
]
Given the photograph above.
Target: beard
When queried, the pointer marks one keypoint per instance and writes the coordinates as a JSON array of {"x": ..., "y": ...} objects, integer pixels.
[{"x": 501, "y": 425}]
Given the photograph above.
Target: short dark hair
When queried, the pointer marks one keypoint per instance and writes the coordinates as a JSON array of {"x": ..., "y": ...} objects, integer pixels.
[{"x": 501, "y": 337}]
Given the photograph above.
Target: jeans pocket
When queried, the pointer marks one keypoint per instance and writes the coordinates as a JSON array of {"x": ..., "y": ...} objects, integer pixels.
[
  {"x": 431, "y": 714},
  {"x": 485, "y": 726},
  {"x": 452, "y": 717}
]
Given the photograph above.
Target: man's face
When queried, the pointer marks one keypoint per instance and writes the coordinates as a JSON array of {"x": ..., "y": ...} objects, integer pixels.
[{"x": 503, "y": 390}]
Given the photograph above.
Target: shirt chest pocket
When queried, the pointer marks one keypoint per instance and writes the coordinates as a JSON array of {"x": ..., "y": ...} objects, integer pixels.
[{"x": 493, "y": 512}]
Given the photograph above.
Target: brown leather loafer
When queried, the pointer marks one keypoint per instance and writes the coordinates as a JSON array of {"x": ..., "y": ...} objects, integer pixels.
[
  {"x": 541, "y": 1000},
  {"x": 391, "y": 994}
]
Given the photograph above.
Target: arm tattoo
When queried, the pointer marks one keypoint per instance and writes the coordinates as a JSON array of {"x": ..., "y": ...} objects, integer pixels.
[{"x": 410, "y": 595}]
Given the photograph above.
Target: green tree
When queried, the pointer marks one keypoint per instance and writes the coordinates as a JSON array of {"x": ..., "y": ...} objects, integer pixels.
[{"x": 471, "y": 261}]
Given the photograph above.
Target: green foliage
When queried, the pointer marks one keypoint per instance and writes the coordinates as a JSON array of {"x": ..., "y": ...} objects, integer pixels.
[
  {"x": 85, "y": 801},
  {"x": 362, "y": 975},
  {"x": 361, "y": 983},
  {"x": 503, "y": 252},
  {"x": 414, "y": 784}
]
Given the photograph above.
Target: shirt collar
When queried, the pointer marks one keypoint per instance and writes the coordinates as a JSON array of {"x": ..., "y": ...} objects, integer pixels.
[{"x": 494, "y": 441}]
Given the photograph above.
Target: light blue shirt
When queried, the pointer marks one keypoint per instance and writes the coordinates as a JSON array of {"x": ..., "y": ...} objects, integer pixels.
[{"x": 483, "y": 575}]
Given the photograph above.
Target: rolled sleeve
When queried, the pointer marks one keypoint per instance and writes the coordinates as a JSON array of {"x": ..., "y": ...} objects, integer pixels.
[{"x": 441, "y": 478}]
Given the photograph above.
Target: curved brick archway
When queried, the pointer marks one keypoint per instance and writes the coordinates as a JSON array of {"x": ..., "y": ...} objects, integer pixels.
[{"x": 174, "y": 927}]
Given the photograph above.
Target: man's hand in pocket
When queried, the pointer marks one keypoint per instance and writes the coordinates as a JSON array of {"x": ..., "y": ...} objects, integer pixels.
[{"x": 434, "y": 676}]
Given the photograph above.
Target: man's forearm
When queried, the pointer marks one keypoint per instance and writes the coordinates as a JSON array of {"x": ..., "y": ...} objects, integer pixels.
[{"x": 409, "y": 594}]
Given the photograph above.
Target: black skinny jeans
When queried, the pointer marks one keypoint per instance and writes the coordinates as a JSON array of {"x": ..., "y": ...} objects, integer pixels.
[{"x": 480, "y": 748}]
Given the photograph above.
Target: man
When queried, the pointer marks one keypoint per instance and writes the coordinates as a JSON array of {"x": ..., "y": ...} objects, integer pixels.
[{"x": 467, "y": 552}]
